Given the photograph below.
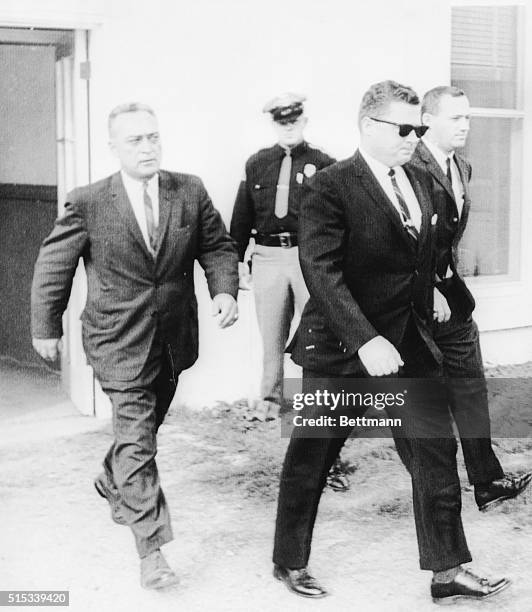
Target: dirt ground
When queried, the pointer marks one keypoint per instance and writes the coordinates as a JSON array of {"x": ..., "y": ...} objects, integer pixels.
[{"x": 221, "y": 479}]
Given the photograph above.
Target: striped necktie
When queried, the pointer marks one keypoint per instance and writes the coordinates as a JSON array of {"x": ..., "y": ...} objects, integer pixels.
[
  {"x": 283, "y": 186},
  {"x": 150, "y": 219},
  {"x": 405, "y": 213}
]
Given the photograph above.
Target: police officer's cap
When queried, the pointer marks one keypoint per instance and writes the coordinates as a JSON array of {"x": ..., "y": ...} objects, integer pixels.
[{"x": 285, "y": 108}]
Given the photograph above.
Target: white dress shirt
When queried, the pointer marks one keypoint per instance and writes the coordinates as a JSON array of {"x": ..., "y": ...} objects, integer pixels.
[
  {"x": 380, "y": 172},
  {"x": 135, "y": 192},
  {"x": 441, "y": 158}
]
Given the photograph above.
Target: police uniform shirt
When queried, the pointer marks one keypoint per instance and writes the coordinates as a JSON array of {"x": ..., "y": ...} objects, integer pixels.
[{"x": 255, "y": 202}]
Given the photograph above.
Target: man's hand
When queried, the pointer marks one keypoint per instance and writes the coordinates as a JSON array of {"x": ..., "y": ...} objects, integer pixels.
[
  {"x": 442, "y": 312},
  {"x": 244, "y": 276},
  {"x": 380, "y": 357},
  {"x": 48, "y": 348},
  {"x": 224, "y": 306}
]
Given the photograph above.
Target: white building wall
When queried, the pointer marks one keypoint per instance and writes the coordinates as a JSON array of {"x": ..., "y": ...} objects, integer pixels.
[{"x": 207, "y": 67}]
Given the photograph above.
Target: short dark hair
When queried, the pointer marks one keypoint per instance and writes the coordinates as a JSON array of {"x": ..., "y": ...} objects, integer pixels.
[
  {"x": 128, "y": 107},
  {"x": 376, "y": 100},
  {"x": 431, "y": 100}
]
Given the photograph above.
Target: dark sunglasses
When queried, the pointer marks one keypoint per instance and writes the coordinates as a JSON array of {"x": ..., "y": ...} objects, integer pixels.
[{"x": 405, "y": 128}]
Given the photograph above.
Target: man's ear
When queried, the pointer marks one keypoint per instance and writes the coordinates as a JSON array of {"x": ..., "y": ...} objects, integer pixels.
[
  {"x": 112, "y": 148},
  {"x": 426, "y": 119},
  {"x": 366, "y": 125},
  {"x": 304, "y": 121}
]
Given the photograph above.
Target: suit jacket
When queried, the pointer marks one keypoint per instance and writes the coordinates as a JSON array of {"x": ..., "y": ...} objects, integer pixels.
[
  {"x": 365, "y": 275},
  {"x": 450, "y": 227},
  {"x": 130, "y": 293}
]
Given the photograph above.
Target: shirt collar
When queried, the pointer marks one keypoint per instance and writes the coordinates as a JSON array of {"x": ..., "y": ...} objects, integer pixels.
[
  {"x": 379, "y": 169},
  {"x": 294, "y": 151},
  {"x": 132, "y": 183},
  {"x": 438, "y": 154}
]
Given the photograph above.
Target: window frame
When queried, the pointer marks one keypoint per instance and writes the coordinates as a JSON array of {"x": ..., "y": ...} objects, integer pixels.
[
  {"x": 514, "y": 272},
  {"x": 504, "y": 301}
]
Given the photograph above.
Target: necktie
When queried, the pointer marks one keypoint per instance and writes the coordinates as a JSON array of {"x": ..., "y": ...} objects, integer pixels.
[
  {"x": 459, "y": 198},
  {"x": 449, "y": 175},
  {"x": 150, "y": 220},
  {"x": 407, "y": 220},
  {"x": 283, "y": 186}
]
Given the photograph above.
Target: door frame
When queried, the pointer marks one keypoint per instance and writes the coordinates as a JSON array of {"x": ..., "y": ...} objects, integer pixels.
[
  {"x": 73, "y": 162},
  {"x": 74, "y": 168}
]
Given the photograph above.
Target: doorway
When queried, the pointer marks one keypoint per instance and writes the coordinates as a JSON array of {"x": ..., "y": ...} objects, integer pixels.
[{"x": 43, "y": 144}]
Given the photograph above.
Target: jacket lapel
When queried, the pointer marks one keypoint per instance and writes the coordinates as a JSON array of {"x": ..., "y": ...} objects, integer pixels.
[
  {"x": 435, "y": 169},
  {"x": 121, "y": 202},
  {"x": 424, "y": 205},
  {"x": 464, "y": 176},
  {"x": 171, "y": 206},
  {"x": 164, "y": 208},
  {"x": 378, "y": 195}
]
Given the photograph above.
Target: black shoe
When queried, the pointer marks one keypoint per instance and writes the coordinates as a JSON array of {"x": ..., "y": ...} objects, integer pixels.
[
  {"x": 466, "y": 585},
  {"x": 108, "y": 492},
  {"x": 491, "y": 495},
  {"x": 338, "y": 482},
  {"x": 337, "y": 479},
  {"x": 299, "y": 581}
]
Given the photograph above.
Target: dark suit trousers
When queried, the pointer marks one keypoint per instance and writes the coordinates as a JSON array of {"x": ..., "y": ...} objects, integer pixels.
[
  {"x": 139, "y": 408},
  {"x": 427, "y": 447},
  {"x": 458, "y": 340}
]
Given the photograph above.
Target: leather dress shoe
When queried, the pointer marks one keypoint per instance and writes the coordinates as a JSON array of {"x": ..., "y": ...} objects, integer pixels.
[
  {"x": 338, "y": 482},
  {"x": 337, "y": 479},
  {"x": 491, "y": 495},
  {"x": 466, "y": 585},
  {"x": 265, "y": 410},
  {"x": 299, "y": 581},
  {"x": 155, "y": 573},
  {"x": 110, "y": 493}
]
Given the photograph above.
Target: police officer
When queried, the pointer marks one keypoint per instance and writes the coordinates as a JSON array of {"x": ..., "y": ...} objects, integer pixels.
[{"x": 267, "y": 208}]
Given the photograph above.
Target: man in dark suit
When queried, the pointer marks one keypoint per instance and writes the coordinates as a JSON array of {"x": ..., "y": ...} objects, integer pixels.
[
  {"x": 446, "y": 111},
  {"x": 366, "y": 253},
  {"x": 138, "y": 233}
]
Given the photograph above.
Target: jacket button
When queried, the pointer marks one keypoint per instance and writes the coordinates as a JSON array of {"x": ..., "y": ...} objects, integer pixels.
[
  {"x": 455, "y": 219},
  {"x": 184, "y": 273},
  {"x": 412, "y": 304}
]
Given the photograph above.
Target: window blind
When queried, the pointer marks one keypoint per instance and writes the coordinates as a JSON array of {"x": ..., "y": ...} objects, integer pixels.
[{"x": 484, "y": 36}]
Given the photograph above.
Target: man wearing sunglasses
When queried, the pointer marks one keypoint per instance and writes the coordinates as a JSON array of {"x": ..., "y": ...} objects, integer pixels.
[
  {"x": 446, "y": 114},
  {"x": 366, "y": 226}
]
